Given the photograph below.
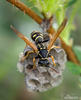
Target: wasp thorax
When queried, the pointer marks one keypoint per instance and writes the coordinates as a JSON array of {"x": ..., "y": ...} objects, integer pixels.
[{"x": 37, "y": 37}]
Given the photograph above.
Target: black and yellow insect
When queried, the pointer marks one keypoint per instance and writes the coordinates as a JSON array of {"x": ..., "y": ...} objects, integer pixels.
[
  {"x": 43, "y": 53},
  {"x": 41, "y": 50}
]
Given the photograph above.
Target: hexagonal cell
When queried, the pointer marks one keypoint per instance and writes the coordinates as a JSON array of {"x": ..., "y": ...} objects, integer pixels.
[{"x": 43, "y": 78}]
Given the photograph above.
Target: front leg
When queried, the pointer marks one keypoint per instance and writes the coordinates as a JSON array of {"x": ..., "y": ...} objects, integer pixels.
[
  {"x": 34, "y": 64},
  {"x": 24, "y": 57}
]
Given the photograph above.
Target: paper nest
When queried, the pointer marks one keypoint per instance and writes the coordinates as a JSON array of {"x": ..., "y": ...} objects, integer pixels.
[{"x": 42, "y": 78}]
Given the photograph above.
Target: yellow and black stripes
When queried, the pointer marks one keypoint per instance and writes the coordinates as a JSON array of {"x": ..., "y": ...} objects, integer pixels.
[{"x": 37, "y": 37}]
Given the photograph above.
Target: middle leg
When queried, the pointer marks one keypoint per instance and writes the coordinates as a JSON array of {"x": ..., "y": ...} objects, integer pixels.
[
  {"x": 53, "y": 60},
  {"x": 34, "y": 63}
]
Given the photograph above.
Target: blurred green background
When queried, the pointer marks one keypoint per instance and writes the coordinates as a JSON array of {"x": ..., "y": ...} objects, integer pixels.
[{"x": 12, "y": 85}]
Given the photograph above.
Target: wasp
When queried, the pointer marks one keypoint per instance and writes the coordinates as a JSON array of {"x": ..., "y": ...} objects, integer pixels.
[{"x": 38, "y": 47}]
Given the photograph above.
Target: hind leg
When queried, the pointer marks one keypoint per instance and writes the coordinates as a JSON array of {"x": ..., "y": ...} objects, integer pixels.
[
  {"x": 34, "y": 63},
  {"x": 53, "y": 60}
]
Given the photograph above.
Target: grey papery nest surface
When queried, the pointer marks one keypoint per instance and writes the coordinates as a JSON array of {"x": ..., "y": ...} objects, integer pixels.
[{"x": 43, "y": 78}]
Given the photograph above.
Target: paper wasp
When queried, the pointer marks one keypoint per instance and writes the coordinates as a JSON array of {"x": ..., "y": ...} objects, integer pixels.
[{"x": 38, "y": 48}]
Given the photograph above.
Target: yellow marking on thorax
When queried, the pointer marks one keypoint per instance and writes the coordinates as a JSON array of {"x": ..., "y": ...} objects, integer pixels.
[
  {"x": 40, "y": 55},
  {"x": 41, "y": 48},
  {"x": 39, "y": 45}
]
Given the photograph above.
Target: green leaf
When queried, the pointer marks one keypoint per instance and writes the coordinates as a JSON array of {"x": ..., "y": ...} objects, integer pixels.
[
  {"x": 49, "y": 7},
  {"x": 77, "y": 50},
  {"x": 71, "y": 2},
  {"x": 75, "y": 69}
]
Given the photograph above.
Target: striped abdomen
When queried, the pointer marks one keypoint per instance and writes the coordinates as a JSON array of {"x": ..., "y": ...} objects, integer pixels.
[{"x": 37, "y": 37}]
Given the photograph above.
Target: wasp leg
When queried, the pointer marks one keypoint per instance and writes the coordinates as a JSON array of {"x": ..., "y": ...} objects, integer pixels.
[
  {"x": 24, "y": 38},
  {"x": 23, "y": 58},
  {"x": 54, "y": 70},
  {"x": 54, "y": 47},
  {"x": 34, "y": 64},
  {"x": 53, "y": 60}
]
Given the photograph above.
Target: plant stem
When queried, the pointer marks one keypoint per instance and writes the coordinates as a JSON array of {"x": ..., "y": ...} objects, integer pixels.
[
  {"x": 70, "y": 54},
  {"x": 26, "y": 10},
  {"x": 29, "y": 12}
]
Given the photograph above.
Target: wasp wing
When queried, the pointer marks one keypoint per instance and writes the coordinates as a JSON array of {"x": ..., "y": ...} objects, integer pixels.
[
  {"x": 24, "y": 38},
  {"x": 60, "y": 29}
]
